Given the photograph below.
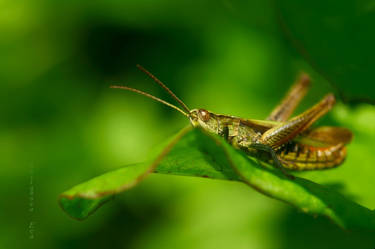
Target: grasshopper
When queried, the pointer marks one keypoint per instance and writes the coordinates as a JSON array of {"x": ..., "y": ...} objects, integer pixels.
[{"x": 286, "y": 143}]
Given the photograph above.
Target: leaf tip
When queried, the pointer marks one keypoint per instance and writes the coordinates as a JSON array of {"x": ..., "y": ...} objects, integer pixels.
[{"x": 80, "y": 208}]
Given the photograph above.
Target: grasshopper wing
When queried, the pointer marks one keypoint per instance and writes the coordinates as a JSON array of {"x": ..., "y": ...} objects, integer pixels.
[
  {"x": 259, "y": 125},
  {"x": 319, "y": 148},
  {"x": 328, "y": 135}
]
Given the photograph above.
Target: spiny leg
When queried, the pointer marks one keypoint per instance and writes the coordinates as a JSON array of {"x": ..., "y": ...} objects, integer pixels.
[
  {"x": 299, "y": 89},
  {"x": 288, "y": 130},
  {"x": 275, "y": 159}
]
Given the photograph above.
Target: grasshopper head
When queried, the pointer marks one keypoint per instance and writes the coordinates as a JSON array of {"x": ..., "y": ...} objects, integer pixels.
[{"x": 204, "y": 119}]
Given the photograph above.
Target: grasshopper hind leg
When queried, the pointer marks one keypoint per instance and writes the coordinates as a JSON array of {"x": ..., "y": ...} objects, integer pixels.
[
  {"x": 277, "y": 163},
  {"x": 291, "y": 100}
]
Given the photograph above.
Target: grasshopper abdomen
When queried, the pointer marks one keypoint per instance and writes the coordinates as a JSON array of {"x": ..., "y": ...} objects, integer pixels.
[{"x": 305, "y": 157}]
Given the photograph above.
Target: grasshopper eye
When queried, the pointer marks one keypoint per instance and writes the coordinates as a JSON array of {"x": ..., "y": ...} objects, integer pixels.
[{"x": 204, "y": 115}]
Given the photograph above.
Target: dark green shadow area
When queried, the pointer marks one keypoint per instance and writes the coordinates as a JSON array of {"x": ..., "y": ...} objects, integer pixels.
[
  {"x": 297, "y": 230},
  {"x": 337, "y": 39}
]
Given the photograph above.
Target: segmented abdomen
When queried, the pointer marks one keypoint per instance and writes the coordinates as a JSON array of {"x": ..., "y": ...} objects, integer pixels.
[{"x": 298, "y": 156}]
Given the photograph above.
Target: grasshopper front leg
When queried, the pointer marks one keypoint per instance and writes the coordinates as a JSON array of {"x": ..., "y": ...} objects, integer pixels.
[
  {"x": 288, "y": 130},
  {"x": 249, "y": 144}
]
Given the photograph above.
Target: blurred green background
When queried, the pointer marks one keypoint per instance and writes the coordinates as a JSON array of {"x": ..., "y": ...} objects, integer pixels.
[{"x": 61, "y": 124}]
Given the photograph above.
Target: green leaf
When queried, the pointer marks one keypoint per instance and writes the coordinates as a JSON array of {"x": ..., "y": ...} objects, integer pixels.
[
  {"x": 337, "y": 39},
  {"x": 83, "y": 199},
  {"x": 193, "y": 152}
]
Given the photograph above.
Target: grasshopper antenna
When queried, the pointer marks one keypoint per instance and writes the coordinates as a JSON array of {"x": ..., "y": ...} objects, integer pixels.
[
  {"x": 165, "y": 88},
  {"x": 151, "y": 97}
]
